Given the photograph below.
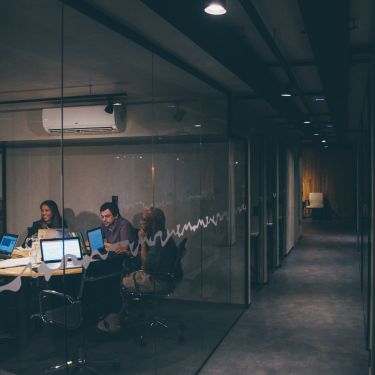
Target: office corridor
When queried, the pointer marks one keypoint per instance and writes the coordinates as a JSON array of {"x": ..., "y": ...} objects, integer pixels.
[{"x": 309, "y": 319}]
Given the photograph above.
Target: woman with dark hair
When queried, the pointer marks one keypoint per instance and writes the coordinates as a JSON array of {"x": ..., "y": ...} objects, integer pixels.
[{"x": 49, "y": 218}]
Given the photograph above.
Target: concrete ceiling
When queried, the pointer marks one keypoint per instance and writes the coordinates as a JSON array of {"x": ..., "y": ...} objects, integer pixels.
[{"x": 160, "y": 49}]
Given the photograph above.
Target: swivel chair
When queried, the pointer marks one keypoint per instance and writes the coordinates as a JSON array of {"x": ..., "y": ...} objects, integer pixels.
[
  {"x": 131, "y": 298},
  {"x": 67, "y": 313}
]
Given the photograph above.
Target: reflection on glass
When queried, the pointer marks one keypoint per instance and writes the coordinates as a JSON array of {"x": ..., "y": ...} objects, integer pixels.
[{"x": 171, "y": 170}]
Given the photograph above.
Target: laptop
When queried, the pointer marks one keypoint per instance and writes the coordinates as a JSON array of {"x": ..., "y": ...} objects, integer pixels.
[
  {"x": 7, "y": 245},
  {"x": 52, "y": 251},
  {"x": 81, "y": 241},
  {"x": 96, "y": 241},
  {"x": 21, "y": 239}
]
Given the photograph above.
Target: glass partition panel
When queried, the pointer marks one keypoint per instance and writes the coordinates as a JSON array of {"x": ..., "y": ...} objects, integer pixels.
[
  {"x": 31, "y": 57},
  {"x": 255, "y": 207},
  {"x": 2, "y": 202},
  {"x": 135, "y": 153},
  {"x": 239, "y": 227}
]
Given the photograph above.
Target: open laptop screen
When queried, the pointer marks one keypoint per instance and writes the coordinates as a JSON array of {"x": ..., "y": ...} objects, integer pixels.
[
  {"x": 52, "y": 249},
  {"x": 95, "y": 237},
  {"x": 7, "y": 244}
]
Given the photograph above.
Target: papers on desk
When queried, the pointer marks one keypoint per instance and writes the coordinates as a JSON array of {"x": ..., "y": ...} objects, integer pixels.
[{"x": 15, "y": 262}]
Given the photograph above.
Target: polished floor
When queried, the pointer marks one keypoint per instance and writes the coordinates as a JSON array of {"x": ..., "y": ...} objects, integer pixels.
[{"x": 309, "y": 319}]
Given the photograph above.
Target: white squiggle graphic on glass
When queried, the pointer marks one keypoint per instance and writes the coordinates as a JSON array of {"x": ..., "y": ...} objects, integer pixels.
[{"x": 44, "y": 271}]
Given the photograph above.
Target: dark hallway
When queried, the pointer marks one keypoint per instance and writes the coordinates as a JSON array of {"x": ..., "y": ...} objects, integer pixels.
[{"x": 309, "y": 319}]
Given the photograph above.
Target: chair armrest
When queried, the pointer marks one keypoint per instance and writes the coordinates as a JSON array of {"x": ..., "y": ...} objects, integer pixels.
[
  {"x": 49, "y": 292},
  {"x": 56, "y": 315},
  {"x": 53, "y": 294}
]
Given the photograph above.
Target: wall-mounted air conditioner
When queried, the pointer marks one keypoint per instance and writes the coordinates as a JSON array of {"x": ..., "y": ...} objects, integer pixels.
[{"x": 84, "y": 120}]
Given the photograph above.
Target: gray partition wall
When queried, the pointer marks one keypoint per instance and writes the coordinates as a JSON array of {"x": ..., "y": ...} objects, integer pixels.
[{"x": 171, "y": 151}]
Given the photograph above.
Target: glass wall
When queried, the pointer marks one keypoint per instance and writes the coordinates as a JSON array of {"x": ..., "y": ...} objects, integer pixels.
[{"x": 170, "y": 280}]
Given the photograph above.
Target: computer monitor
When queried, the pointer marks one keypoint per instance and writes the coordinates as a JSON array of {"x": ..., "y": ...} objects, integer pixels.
[
  {"x": 96, "y": 241},
  {"x": 53, "y": 249},
  {"x": 7, "y": 244}
]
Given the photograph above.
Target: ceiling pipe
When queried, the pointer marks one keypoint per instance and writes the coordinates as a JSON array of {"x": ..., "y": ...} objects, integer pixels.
[
  {"x": 115, "y": 25},
  {"x": 263, "y": 31},
  {"x": 217, "y": 38},
  {"x": 327, "y": 24}
]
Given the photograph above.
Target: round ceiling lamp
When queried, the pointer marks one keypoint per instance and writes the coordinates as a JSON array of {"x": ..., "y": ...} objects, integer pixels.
[{"x": 215, "y": 7}]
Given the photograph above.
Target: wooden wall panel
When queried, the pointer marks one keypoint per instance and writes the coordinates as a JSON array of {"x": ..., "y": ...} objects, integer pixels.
[{"x": 333, "y": 172}]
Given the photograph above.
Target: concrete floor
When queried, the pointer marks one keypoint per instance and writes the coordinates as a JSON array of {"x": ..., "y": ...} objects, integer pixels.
[{"x": 309, "y": 319}]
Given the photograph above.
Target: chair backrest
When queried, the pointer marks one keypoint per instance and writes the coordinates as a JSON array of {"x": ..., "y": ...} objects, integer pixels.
[
  {"x": 316, "y": 200},
  {"x": 180, "y": 253},
  {"x": 98, "y": 271}
]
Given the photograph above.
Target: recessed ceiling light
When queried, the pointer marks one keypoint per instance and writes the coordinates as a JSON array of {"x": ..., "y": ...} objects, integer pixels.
[
  {"x": 197, "y": 125},
  {"x": 326, "y": 146},
  {"x": 215, "y": 8},
  {"x": 329, "y": 125},
  {"x": 319, "y": 98},
  {"x": 307, "y": 122},
  {"x": 316, "y": 133},
  {"x": 324, "y": 141}
]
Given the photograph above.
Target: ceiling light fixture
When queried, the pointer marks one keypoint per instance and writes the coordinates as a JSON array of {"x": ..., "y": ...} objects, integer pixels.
[
  {"x": 307, "y": 122},
  {"x": 319, "y": 98},
  {"x": 324, "y": 141},
  {"x": 316, "y": 133},
  {"x": 198, "y": 125},
  {"x": 286, "y": 91},
  {"x": 215, "y": 7},
  {"x": 109, "y": 107}
]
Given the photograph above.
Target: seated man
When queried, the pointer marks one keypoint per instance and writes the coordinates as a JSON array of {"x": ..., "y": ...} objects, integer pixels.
[
  {"x": 116, "y": 229},
  {"x": 157, "y": 260}
]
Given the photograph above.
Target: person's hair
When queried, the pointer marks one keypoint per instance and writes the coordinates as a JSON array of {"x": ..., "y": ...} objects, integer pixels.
[
  {"x": 56, "y": 217},
  {"x": 157, "y": 219},
  {"x": 110, "y": 206}
]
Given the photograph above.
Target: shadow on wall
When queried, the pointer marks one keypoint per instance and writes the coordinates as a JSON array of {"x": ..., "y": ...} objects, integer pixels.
[{"x": 82, "y": 222}]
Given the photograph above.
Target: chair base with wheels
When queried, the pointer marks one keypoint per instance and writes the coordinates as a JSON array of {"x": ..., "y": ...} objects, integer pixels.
[
  {"x": 65, "y": 311},
  {"x": 148, "y": 291},
  {"x": 82, "y": 365},
  {"x": 140, "y": 315}
]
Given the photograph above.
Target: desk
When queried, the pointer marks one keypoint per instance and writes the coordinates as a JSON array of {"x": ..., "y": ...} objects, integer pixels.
[
  {"x": 21, "y": 271},
  {"x": 16, "y": 271}
]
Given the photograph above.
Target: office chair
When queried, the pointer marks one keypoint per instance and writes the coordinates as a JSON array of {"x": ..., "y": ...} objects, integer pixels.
[
  {"x": 66, "y": 311},
  {"x": 130, "y": 298}
]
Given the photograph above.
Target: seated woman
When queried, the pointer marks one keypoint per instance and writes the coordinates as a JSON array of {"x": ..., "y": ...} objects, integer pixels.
[
  {"x": 49, "y": 218},
  {"x": 157, "y": 259}
]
